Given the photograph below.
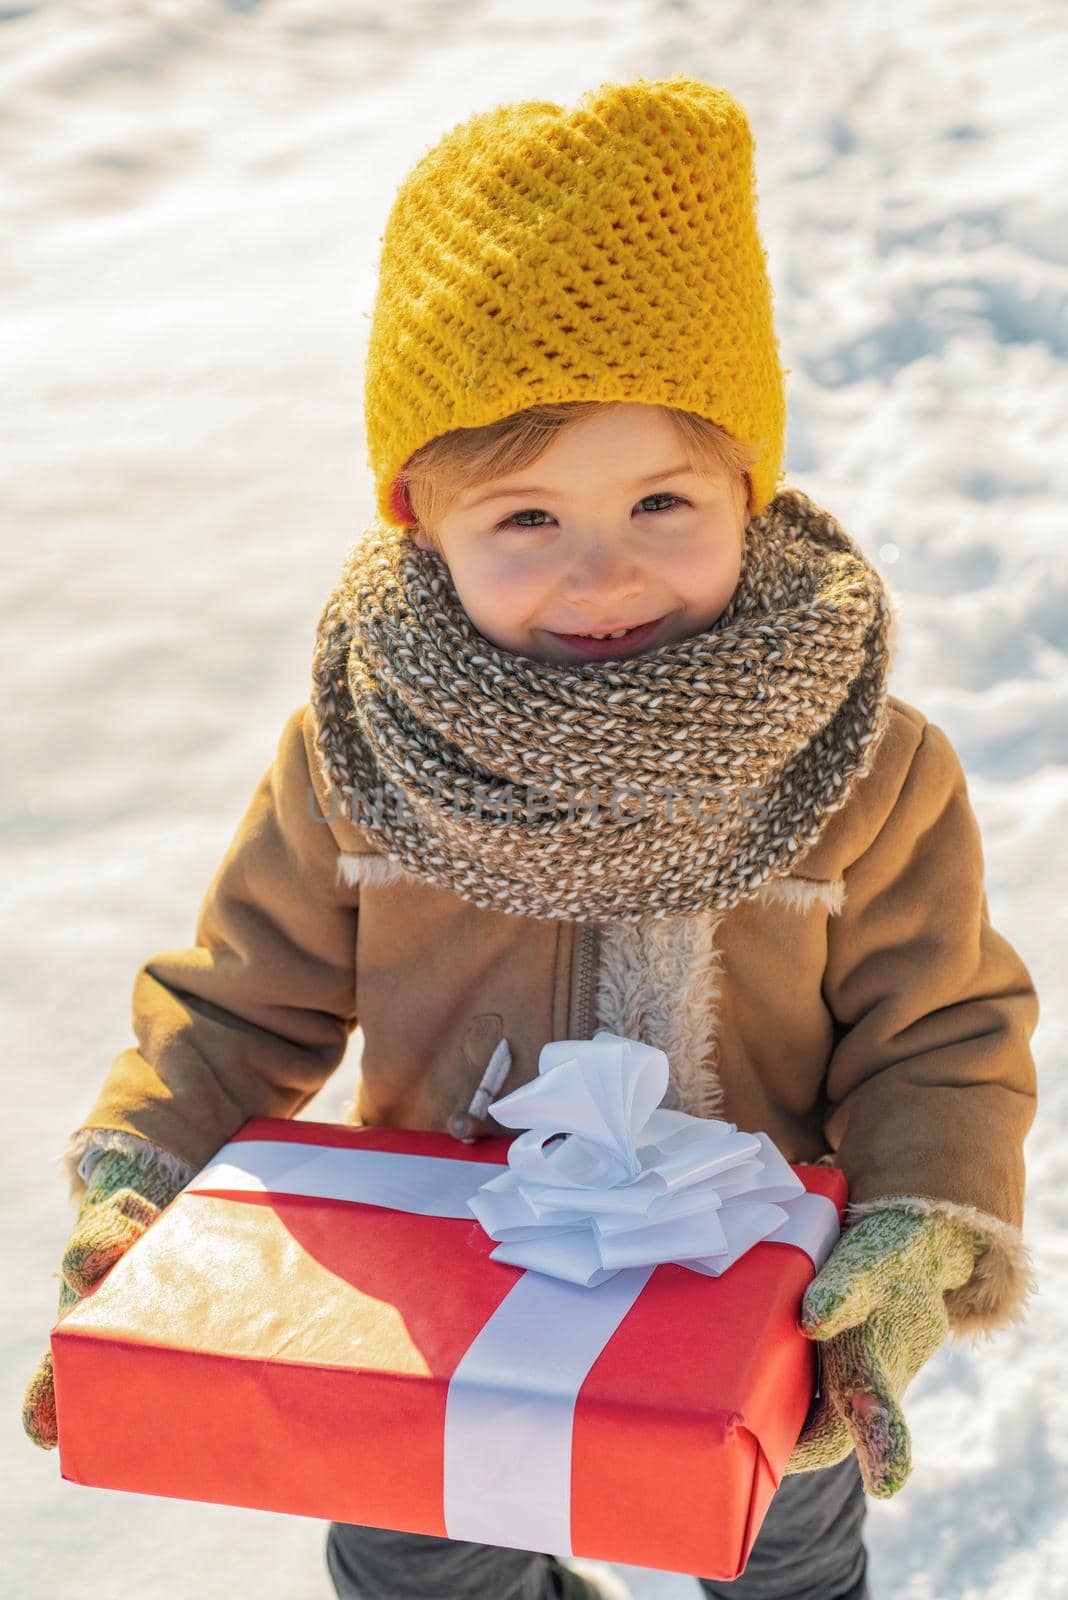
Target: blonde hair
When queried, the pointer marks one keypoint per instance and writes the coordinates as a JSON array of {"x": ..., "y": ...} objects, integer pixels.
[{"x": 463, "y": 458}]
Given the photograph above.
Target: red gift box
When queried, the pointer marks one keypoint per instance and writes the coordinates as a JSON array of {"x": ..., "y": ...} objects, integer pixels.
[{"x": 306, "y": 1353}]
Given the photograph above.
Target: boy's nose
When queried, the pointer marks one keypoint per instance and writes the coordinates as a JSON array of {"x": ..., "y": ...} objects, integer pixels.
[{"x": 603, "y": 577}]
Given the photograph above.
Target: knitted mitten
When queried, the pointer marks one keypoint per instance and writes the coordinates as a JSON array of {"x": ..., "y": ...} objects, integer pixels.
[
  {"x": 878, "y": 1310},
  {"x": 123, "y": 1194}
]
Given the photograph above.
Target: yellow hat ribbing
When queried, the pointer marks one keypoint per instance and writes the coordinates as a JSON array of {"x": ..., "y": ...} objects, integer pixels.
[{"x": 538, "y": 255}]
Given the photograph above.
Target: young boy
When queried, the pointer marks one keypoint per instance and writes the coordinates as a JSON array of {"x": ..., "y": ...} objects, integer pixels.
[{"x": 711, "y": 828}]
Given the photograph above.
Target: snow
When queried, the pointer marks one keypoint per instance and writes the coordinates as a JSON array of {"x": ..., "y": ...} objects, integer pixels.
[{"x": 193, "y": 200}]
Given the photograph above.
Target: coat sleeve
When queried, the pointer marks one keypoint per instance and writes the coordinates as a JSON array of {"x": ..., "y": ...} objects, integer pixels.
[
  {"x": 254, "y": 1016},
  {"x": 931, "y": 1085}
]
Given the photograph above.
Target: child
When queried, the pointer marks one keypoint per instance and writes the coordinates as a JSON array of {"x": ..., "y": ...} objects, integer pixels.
[{"x": 715, "y": 830}]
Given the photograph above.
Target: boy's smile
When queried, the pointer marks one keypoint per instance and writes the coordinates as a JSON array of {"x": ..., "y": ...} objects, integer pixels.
[
  {"x": 608, "y": 529},
  {"x": 631, "y": 642}
]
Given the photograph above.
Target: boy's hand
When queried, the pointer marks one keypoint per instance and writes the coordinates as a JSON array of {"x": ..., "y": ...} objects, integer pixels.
[
  {"x": 878, "y": 1310},
  {"x": 122, "y": 1197},
  {"x": 39, "y": 1402}
]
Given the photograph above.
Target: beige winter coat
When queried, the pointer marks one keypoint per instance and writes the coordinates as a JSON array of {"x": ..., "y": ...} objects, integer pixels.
[{"x": 862, "y": 1011}]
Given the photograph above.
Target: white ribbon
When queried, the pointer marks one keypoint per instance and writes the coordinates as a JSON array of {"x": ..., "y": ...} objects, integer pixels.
[
  {"x": 637, "y": 1185},
  {"x": 629, "y": 1184},
  {"x": 510, "y": 1409}
]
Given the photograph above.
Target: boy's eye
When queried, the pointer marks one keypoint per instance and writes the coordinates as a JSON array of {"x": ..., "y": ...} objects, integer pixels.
[
  {"x": 513, "y": 520},
  {"x": 662, "y": 494}
]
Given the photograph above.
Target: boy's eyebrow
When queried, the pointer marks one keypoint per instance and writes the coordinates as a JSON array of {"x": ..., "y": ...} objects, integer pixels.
[{"x": 679, "y": 471}]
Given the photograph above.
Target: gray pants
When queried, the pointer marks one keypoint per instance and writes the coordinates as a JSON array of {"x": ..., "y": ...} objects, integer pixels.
[{"x": 809, "y": 1548}]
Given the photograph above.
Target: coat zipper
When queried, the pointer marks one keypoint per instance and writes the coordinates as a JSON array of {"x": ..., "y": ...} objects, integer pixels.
[{"x": 589, "y": 939}]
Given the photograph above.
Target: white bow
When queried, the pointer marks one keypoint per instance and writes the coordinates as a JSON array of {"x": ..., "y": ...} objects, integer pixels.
[{"x": 628, "y": 1184}]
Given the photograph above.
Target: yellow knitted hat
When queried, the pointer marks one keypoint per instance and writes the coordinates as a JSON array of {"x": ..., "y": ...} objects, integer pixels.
[{"x": 538, "y": 255}]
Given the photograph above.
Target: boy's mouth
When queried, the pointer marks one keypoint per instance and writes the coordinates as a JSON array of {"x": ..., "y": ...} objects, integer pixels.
[{"x": 597, "y": 649}]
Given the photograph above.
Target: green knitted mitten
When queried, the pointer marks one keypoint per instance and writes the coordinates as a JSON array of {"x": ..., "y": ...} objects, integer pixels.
[
  {"x": 123, "y": 1195},
  {"x": 878, "y": 1309}
]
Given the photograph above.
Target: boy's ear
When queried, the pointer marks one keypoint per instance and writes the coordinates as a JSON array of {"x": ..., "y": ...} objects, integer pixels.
[{"x": 419, "y": 536}]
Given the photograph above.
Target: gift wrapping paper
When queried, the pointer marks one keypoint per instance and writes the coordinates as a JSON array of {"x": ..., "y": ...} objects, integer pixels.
[{"x": 279, "y": 1340}]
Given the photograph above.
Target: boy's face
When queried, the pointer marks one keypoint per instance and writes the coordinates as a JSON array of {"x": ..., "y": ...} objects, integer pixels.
[{"x": 604, "y": 536}]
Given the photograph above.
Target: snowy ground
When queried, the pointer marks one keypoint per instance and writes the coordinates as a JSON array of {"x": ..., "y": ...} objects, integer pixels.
[{"x": 194, "y": 193}]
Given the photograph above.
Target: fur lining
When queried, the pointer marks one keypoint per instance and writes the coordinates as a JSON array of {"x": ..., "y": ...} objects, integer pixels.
[
  {"x": 998, "y": 1289},
  {"x": 85, "y": 1147},
  {"x": 349, "y": 1110},
  {"x": 659, "y": 982},
  {"x": 355, "y": 866},
  {"x": 801, "y": 893}
]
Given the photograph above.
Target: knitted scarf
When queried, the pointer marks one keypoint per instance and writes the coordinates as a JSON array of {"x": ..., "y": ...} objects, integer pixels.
[{"x": 665, "y": 782}]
